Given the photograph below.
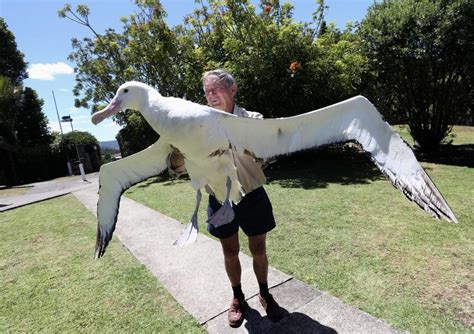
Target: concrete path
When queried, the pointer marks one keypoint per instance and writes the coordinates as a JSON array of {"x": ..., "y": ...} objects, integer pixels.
[
  {"x": 41, "y": 191},
  {"x": 196, "y": 278}
]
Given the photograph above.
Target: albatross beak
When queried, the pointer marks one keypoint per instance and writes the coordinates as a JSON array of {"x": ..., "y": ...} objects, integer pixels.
[{"x": 113, "y": 108}]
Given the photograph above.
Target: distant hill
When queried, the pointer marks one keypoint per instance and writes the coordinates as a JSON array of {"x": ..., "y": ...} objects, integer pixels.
[{"x": 109, "y": 145}]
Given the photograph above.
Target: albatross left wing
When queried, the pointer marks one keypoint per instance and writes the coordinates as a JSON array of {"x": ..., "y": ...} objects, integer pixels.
[
  {"x": 118, "y": 176},
  {"x": 353, "y": 119}
]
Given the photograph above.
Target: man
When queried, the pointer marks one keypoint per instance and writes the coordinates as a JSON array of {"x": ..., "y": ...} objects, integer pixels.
[{"x": 253, "y": 213}]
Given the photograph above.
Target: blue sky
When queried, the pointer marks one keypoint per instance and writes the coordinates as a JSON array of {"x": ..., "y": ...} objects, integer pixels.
[{"x": 45, "y": 40}]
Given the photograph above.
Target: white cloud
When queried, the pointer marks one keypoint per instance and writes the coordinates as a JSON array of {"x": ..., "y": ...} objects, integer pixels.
[
  {"x": 81, "y": 119},
  {"x": 73, "y": 110},
  {"x": 48, "y": 71},
  {"x": 112, "y": 124},
  {"x": 54, "y": 126},
  {"x": 64, "y": 90}
]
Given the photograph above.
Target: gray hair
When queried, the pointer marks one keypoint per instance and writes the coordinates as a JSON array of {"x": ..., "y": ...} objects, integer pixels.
[{"x": 222, "y": 75}]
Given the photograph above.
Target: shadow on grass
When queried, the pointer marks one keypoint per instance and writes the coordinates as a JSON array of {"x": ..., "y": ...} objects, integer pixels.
[
  {"x": 164, "y": 179},
  {"x": 27, "y": 186},
  {"x": 455, "y": 155},
  {"x": 318, "y": 168}
]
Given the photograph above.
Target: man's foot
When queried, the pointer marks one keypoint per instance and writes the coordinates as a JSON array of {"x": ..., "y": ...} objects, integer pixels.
[
  {"x": 236, "y": 312},
  {"x": 274, "y": 311}
]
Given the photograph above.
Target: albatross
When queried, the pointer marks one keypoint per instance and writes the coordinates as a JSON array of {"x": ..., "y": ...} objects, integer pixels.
[{"x": 208, "y": 139}]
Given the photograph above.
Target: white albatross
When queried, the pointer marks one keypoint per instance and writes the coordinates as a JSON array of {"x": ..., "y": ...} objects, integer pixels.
[{"x": 208, "y": 137}]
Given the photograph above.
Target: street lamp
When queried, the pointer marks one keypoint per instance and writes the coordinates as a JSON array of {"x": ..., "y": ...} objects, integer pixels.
[
  {"x": 69, "y": 168},
  {"x": 65, "y": 119}
]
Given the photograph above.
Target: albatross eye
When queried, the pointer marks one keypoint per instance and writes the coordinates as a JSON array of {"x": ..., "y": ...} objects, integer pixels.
[{"x": 125, "y": 90}]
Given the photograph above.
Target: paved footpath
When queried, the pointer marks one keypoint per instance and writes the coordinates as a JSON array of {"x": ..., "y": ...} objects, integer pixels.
[
  {"x": 196, "y": 278},
  {"x": 40, "y": 191}
]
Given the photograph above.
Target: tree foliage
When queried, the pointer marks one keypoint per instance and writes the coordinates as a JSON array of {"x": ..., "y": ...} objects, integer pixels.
[
  {"x": 24, "y": 134},
  {"x": 9, "y": 104},
  {"x": 136, "y": 136},
  {"x": 420, "y": 56},
  {"x": 146, "y": 51},
  {"x": 280, "y": 68},
  {"x": 31, "y": 123},
  {"x": 12, "y": 64},
  {"x": 71, "y": 139}
]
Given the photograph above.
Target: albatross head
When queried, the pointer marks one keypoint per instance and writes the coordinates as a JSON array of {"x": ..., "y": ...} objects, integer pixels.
[{"x": 130, "y": 95}]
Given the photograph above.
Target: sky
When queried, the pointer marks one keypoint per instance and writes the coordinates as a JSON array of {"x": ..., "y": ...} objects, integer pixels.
[{"x": 45, "y": 41}]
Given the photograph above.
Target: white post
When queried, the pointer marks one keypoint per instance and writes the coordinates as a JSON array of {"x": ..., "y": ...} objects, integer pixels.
[
  {"x": 83, "y": 175},
  {"x": 69, "y": 168}
]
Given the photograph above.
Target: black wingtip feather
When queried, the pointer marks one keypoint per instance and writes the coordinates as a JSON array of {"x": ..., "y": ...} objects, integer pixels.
[
  {"x": 102, "y": 241},
  {"x": 104, "y": 236}
]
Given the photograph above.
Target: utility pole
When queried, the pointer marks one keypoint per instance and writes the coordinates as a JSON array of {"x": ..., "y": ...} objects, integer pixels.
[
  {"x": 81, "y": 166},
  {"x": 69, "y": 167}
]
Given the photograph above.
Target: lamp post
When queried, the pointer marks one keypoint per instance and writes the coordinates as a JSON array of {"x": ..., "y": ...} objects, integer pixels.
[
  {"x": 69, "y": 167},
  {"x": 81, "y": 167}
]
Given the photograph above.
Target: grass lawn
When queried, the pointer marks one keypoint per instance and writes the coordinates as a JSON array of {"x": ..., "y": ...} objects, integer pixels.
[
  {"x": 342, "y": 228},
  {"x": 51, "y": 283}
]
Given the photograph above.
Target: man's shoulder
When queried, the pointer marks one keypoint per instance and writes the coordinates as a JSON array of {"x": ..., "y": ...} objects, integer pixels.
[{"x": 242, "y": 112}]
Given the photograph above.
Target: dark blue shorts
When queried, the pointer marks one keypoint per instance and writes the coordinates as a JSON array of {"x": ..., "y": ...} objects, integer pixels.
[{"x": 254, "y": 214}]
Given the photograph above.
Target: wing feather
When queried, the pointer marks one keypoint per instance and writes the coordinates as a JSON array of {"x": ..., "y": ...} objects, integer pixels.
[
  {"x": 354, "y": 119},
  {"x": 118, "y": 176}
]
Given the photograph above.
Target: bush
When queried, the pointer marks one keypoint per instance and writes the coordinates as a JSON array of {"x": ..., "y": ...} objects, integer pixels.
[{"x": 420, "y": 57}]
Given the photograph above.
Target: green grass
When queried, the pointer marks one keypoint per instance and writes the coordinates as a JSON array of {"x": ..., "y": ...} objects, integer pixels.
[
  {"x": 51, "y": 283},
  {"x": 460, "y": 135},
  {"x": 342, "y": 228}
]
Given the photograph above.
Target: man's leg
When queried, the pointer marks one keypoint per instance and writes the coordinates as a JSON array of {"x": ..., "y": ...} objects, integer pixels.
[
  {"x": 257, "y": 245},
  {"x": 231, "y": 248}
]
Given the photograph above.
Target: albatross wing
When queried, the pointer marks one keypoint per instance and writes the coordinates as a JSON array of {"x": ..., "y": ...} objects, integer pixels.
[
  {"x": 118, "y": 176},
  {"x": 354, "y": 119}
]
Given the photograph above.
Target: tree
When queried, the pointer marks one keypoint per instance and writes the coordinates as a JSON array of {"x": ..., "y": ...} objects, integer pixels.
[
  {"x": 12, "y": 64},
  {"x": 9, "y": 103},
  {"x": 34, "y": 157},
  {"x": 31, "y": 123},
  {"x": 83, "y": 138},
  {"x": 136, "y": 136},
  {"x": 280, "y": 66},
  {"x": 12, "y": 74},
  {"x": 9, "y": 97},
  {"x": 420, "y": 58},
  {"x": 147, "y": 50},
  {"x": 75, "y": 143}
]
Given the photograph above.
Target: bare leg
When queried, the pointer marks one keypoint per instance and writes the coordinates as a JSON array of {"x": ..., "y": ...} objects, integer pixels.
[
  {"x": 231, "y": 248},
  {"x": 257, "y": 245}
]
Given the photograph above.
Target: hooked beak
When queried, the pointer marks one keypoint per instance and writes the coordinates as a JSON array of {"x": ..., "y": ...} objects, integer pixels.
[{"x": 113, "y": 108}]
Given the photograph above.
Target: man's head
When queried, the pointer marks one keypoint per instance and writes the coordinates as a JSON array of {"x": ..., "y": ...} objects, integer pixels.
[{"x": 220, "y": 88}]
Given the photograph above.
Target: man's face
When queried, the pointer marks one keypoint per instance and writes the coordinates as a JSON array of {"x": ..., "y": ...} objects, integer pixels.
[{"x": 218, "y": 95}]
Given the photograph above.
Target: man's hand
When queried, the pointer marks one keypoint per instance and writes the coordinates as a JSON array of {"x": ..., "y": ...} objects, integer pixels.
[
  {"x": 176, "y": 160},
  {"x": 175, "y": 163}
]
